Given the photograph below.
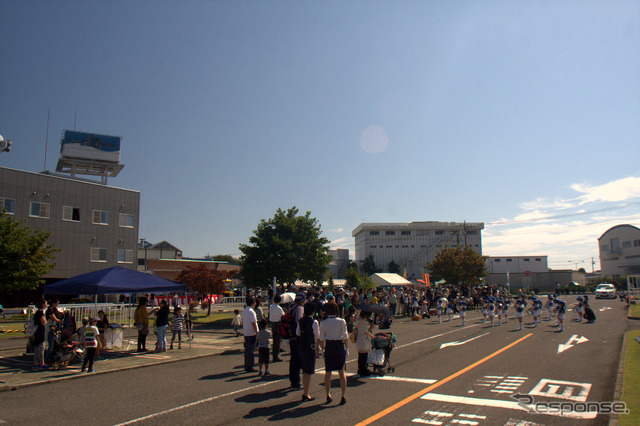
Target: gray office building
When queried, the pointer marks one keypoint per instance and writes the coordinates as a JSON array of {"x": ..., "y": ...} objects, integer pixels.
[{"x": 95, "y": 226}]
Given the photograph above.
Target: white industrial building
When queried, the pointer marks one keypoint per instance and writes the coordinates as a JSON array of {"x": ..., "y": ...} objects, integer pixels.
[
  {"x": 414, "y": 244},
  {"x": 517, "y": 264}
]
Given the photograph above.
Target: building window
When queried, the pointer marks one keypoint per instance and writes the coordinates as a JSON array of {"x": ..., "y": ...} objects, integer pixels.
[
  {"x": 39, "y": 210},
  {"x": 141, "y": 262},
  {"x": 626, "y": 244},
  {"x": 71, "y": 214},
  {"x": 98, "y": 254},
  {"x": 390, "y": 233},
  {"x": 439, "y": 232},
  {"x": 538, "y": 259},
  {"x": 125, "y": 256},
  {"x": 406, "y": 232},
  {"x": 126, "y": 220},
  {"x": 636, "y": 243},
  {"x": 8, "y": 205},
  {"x": 509, "y": 260},
  {"x": 100, "y": 217},
  {"x": 374, "y": 232},
  {"x": 526, "y": 259},
  {"x": 496, "y": 260}
]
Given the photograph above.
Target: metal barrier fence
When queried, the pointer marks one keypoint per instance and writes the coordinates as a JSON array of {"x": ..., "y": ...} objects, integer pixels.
[
  {"x": 229, "y": 304},
  {"x": 121, "y": 314}
]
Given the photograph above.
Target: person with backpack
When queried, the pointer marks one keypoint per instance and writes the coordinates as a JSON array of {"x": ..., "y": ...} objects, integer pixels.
[
  {"x": 308, "y": 332},
  {"x": 295, "y": 362}
]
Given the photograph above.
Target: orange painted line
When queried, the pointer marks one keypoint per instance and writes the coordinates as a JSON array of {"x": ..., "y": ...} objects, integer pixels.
[{"x": 417, "y": 395}]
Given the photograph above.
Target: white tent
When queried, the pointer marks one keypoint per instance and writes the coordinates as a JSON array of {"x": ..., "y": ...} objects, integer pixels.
[{"x": 384, "y": 279}]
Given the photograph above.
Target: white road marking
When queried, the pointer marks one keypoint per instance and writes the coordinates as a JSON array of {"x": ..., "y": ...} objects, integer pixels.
[
  {"x": 552, "y": 388},
  {"x": 438, "y": 413},
  {"x": 472, "y": 416},
  {"x": 444, "y": 345},
  {"x": 574, "y": 340},
  {"x": 192, "y": 404},
  {"x": 510, "y": 405}
]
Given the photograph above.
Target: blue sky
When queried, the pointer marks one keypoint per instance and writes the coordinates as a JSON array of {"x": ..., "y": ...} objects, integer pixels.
[{"x": 522, "y": 115}]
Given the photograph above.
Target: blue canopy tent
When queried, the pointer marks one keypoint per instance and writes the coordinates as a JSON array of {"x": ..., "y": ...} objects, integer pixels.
[{"x": 112, "y": 281}]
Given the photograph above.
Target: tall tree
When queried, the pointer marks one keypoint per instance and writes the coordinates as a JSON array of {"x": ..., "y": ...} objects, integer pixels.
[
  {"x": 358, "y": 280},
  {"x": 288, "y": 247},
  {"x": 204, "y": 280},
  {"x": 459, "y": 266},
  {"x": 25, "y": 256},
  {"x": 369, "y": 265},
  {"x": 393, "y": 267}
]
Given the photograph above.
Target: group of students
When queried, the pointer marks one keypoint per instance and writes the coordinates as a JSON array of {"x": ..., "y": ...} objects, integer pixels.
[{"x": 312, "y": 335}]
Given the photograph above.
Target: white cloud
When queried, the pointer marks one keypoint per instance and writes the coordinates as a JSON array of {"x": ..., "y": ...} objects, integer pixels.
[
  {"x": 557, "y": 228},
  {"x": 615, "y": 191}
]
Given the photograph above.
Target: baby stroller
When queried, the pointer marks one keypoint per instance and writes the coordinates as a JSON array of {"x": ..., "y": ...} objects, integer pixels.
[
  {"x": 65, "y": 348},
  {"x": 380, "y": 354}
]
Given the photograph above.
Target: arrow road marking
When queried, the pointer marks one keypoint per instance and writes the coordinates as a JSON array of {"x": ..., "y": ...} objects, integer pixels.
[
  {"x": 444, "y": 345},
  {"x": 574, "y": 340},
  {"x": 605, "y": 308}
]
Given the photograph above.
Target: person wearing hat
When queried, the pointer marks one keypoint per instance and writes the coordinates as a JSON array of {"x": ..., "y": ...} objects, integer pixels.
[
  {"x": 91, "y": 344},
  {"x": 295, "y": 362}
]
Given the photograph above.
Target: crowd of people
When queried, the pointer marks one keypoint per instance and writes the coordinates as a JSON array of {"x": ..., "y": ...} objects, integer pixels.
[{"x": 324, "y": 321}]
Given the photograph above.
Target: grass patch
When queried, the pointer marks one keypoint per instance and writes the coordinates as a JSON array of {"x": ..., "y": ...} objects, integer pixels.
[
  {"x": 216, "y": 319},
  {"x": 631, "y": 388},
  {"x": 634, "y": 310}
]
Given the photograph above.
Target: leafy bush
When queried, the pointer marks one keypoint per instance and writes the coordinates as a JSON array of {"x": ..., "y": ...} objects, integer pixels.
[{"x": 193, "y": 306}]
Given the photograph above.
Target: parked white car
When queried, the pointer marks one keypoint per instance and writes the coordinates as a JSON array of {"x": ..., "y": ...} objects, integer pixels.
[{"x": 606, "y": 290}]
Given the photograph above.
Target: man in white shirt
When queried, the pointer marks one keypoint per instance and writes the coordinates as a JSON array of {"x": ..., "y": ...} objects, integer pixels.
[
  {"x": 275, "y": 315},
  {"x": 250, "y": 330}
]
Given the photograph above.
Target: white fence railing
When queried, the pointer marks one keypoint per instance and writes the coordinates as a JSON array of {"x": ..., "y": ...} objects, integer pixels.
[{"x": 121, "y": 314}]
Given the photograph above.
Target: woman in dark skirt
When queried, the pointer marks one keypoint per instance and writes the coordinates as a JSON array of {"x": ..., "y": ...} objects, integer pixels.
[
  {"x": 308, "y": 330},
  {"x": 335, "y": 341}
]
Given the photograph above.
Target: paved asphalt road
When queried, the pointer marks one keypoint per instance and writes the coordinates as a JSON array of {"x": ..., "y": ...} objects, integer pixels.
[{"x": 445, "y": 374}]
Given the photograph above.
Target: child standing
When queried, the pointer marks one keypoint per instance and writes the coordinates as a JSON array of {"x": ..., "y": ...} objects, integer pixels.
[
  {"x": 176, "y": 325},
  {"x": 81, "y": 330},
  {"x": 263, "y": 339},
  {"x": 520, "y": 311},
  {"x": 188, "y": 325},
  {"x": 91, "y": 343},
  {"x": 236, "y": 322},
  {"x": 462, "y": 309}
]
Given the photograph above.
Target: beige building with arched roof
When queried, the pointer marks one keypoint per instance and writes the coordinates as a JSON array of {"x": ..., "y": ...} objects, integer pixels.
[{"x": 620, "y": 251}]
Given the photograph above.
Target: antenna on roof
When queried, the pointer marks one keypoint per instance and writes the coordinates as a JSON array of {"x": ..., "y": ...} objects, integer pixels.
[{"x": 46, "y": 142}]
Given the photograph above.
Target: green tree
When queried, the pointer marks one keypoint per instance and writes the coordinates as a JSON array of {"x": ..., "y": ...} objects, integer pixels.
[
  {"x": 358, "y": 280},
  {"x": 331, "y": 284},
  {"x": 393, "y": 267},
  {"x": 459, "y": 266},
  {"x": 369, "y": 266},
  {"x": 204, "y": 280},
  {"x": 288, "y": 247},
  {"x": 24, "y": 255}
]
